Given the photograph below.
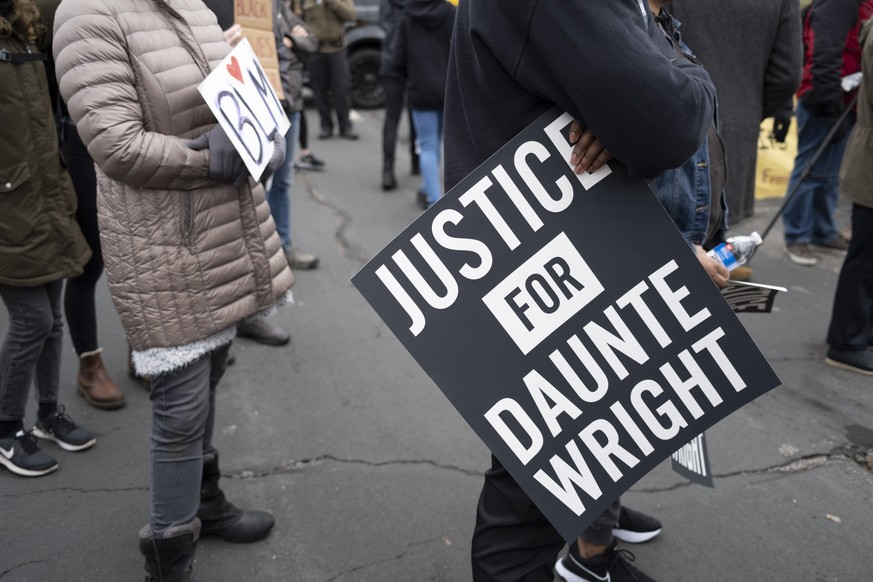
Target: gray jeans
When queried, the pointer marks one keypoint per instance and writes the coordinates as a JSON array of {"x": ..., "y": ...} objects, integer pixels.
[
  {"x": 31, "y": 348},
  {"x": 183, "y": 417}
]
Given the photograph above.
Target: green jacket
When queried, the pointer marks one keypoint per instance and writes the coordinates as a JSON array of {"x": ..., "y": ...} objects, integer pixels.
[
  {"x": 327, "y": 19},
  {"x": 40, "y": 240},
  {"x": 856, "y": 172}
]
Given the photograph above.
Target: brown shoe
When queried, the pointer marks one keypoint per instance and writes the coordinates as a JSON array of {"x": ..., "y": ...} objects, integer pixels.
[{"x": 95, "y": 385}]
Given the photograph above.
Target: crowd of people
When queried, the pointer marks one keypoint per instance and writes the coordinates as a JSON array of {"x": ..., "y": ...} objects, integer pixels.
[{"x": 112, "y": 163}]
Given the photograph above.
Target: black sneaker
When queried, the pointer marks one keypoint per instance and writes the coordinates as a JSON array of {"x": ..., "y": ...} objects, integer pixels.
[
  {"x": 60, "y": 428},
  {"x": 612, "y": 566},
  {"x": 21, "y": 454},
  {"x": 635, "y": 527},
  {"x": 310, "y": 162},
  {"x": 860, "y": 362}
]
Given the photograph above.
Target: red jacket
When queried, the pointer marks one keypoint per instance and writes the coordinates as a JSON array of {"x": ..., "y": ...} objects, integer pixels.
[{"x": 830, "y": 39}]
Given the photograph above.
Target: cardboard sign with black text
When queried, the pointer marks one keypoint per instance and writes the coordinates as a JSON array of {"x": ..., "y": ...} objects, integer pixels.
[{"x": 567, "y": 320}]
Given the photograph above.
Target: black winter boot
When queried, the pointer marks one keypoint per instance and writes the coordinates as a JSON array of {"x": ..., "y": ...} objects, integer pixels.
[
  {"x": 221, "y": 518},
  {"x": 170, "y": 558},
  {"x": 388, "y": 180}
]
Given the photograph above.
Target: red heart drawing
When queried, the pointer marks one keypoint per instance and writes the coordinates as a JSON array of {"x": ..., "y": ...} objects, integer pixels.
[{"x": 234, "y": 70}]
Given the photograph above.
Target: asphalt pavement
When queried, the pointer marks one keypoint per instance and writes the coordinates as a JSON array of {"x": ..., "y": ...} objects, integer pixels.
[{"x": 372, "y": 474}]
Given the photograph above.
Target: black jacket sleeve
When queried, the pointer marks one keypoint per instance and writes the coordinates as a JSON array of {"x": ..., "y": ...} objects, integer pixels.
[
  {"x": 831, "y": 22},
  {"x": 785, "y": 65},
  {"x": 607, "y": 65}
]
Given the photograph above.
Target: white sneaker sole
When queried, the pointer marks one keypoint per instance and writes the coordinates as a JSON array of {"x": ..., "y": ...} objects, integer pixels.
[
  {"x": 566, "y": 575},
  {"x": 25, "y": 472},
  {"x": 847, "y": 367},
  {"x": 66, "y": 446},
  {"x": 634, "y": 537},
  {"x": 798, "y": 260}
]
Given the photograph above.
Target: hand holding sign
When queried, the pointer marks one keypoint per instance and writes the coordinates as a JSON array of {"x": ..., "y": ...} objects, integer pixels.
[
  {"x": 251, "y": 115},
  {"x": 225, "y": 164}
]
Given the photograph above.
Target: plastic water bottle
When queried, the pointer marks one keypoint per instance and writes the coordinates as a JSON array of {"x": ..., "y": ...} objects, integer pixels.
[{"x": 736, "y": 250}]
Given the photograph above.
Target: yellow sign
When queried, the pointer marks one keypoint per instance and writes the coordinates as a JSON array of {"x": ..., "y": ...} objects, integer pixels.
[
  {"x": 256, "y": 19},
  {"x": 775, "y": 161}
]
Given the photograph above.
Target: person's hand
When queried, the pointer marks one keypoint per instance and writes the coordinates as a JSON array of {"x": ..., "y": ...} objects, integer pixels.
[
  {"x": 225, "y": 164},
  {"x": 781, "y": 123},
  {"x": 233, "y": 35},
  {"x": 588, "y": 153},
  {"x": 299, "y": 31},
  {"x": 716, "y": 271},
  {"x": 278, "y": 156}
]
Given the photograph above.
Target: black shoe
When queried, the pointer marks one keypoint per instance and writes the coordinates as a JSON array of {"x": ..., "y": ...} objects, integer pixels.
[
  {"x": 325, "y": 134},
  {"x": 421, "y": 199},
  {"x": 860, "y": 361},
  {"x": 310, "y": 162},
  {"x": 349, "y": 135},
  {"x": 21, "y": 454},
  {"x": 221, "y": 518},
  {"x": 635, "y": 527},
  {"x": 170, "y": 558},
  {"x": 298, "y": 259},
  {"x": 262, "y": 331},
  {"x": 59, "y": 427},
  {"x": 612, "y": 566},
  {"x": 388, "y": 181}
]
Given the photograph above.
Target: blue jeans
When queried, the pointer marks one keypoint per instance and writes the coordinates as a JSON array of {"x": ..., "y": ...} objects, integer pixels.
[
  {"x": 809, "y": 217},
  {"x": 32, "y": 346},
  {"x": 279, "y": 190},
  {"x": 429, "y": 129},
  {"x": 183, "y": 418}
]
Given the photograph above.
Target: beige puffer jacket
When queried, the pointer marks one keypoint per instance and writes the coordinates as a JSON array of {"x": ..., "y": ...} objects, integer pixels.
[{"x": 186, "y": 257}]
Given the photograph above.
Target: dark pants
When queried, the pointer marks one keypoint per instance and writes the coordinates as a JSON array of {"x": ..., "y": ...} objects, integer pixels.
[
  {"x": 79, "y": 304},
  {"x": 395, "y": 92},
  {"x": 32, "y": 347},
  {"x": 331, "y": 83},
  {"x": 513, "y": 540},
  {"x": 183, "y": 419},
  {"x": 852, "y": 315}
]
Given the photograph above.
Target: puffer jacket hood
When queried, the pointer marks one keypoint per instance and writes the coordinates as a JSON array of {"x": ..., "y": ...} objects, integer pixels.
[{"x": 428, "y": 13}]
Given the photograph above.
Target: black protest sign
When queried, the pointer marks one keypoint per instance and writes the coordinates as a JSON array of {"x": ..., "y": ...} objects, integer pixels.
[
  {"x": 567, "y": 320},
  {"x": 692, "y": 461}
]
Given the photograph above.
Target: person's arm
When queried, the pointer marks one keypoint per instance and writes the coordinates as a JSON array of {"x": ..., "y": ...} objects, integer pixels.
[
  {"x": 785, "y": 64},
  {"x": 831, "y": 22},
  {"x": 344, "y": 9},
  {"x": 604, "y": 64},
  {"x": 99, "y": 85},
  {"x": 302, "y": 40}
]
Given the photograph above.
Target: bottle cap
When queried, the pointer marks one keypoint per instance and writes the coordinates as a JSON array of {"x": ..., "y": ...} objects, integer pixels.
[{"x": 757, "y": 238}]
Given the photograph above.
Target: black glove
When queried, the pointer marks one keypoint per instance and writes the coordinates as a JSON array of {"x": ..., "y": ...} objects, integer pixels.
[
  {"x": 278, "y": 155},
  {"x": 225, "y": 164},
  {"x": 781, "y": 123}
]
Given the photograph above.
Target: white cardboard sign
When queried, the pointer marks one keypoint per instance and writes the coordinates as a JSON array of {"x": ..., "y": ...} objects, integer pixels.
[{"x": 240, "y": 96}]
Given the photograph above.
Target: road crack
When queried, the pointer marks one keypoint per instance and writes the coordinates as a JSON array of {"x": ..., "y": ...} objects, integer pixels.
[
  {"x": 350, "y": 249},
  {"x": 291, "y": 466},
  {"x": 399, "y": 556}
]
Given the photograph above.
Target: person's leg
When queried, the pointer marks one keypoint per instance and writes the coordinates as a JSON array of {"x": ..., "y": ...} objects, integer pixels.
[
  {"x": 427, "y": 126},
  {"x": 341, "y": 83},
  {"x": 30, "y": 323},
  {"x": 394, "y": 90},
  {"x": 319, "y": 78},
  {"x": 797, "y": 217},
  {"x": 180, "y": 415},
  {"x": 827, "y": 173},
  {"x": 512, "y": 540},
  {"x": 48, "y": 365},
  {"x": 279, "y": 192},
  {"x": 93, "y": 380},
  {"x": 852, "y": 315}
]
